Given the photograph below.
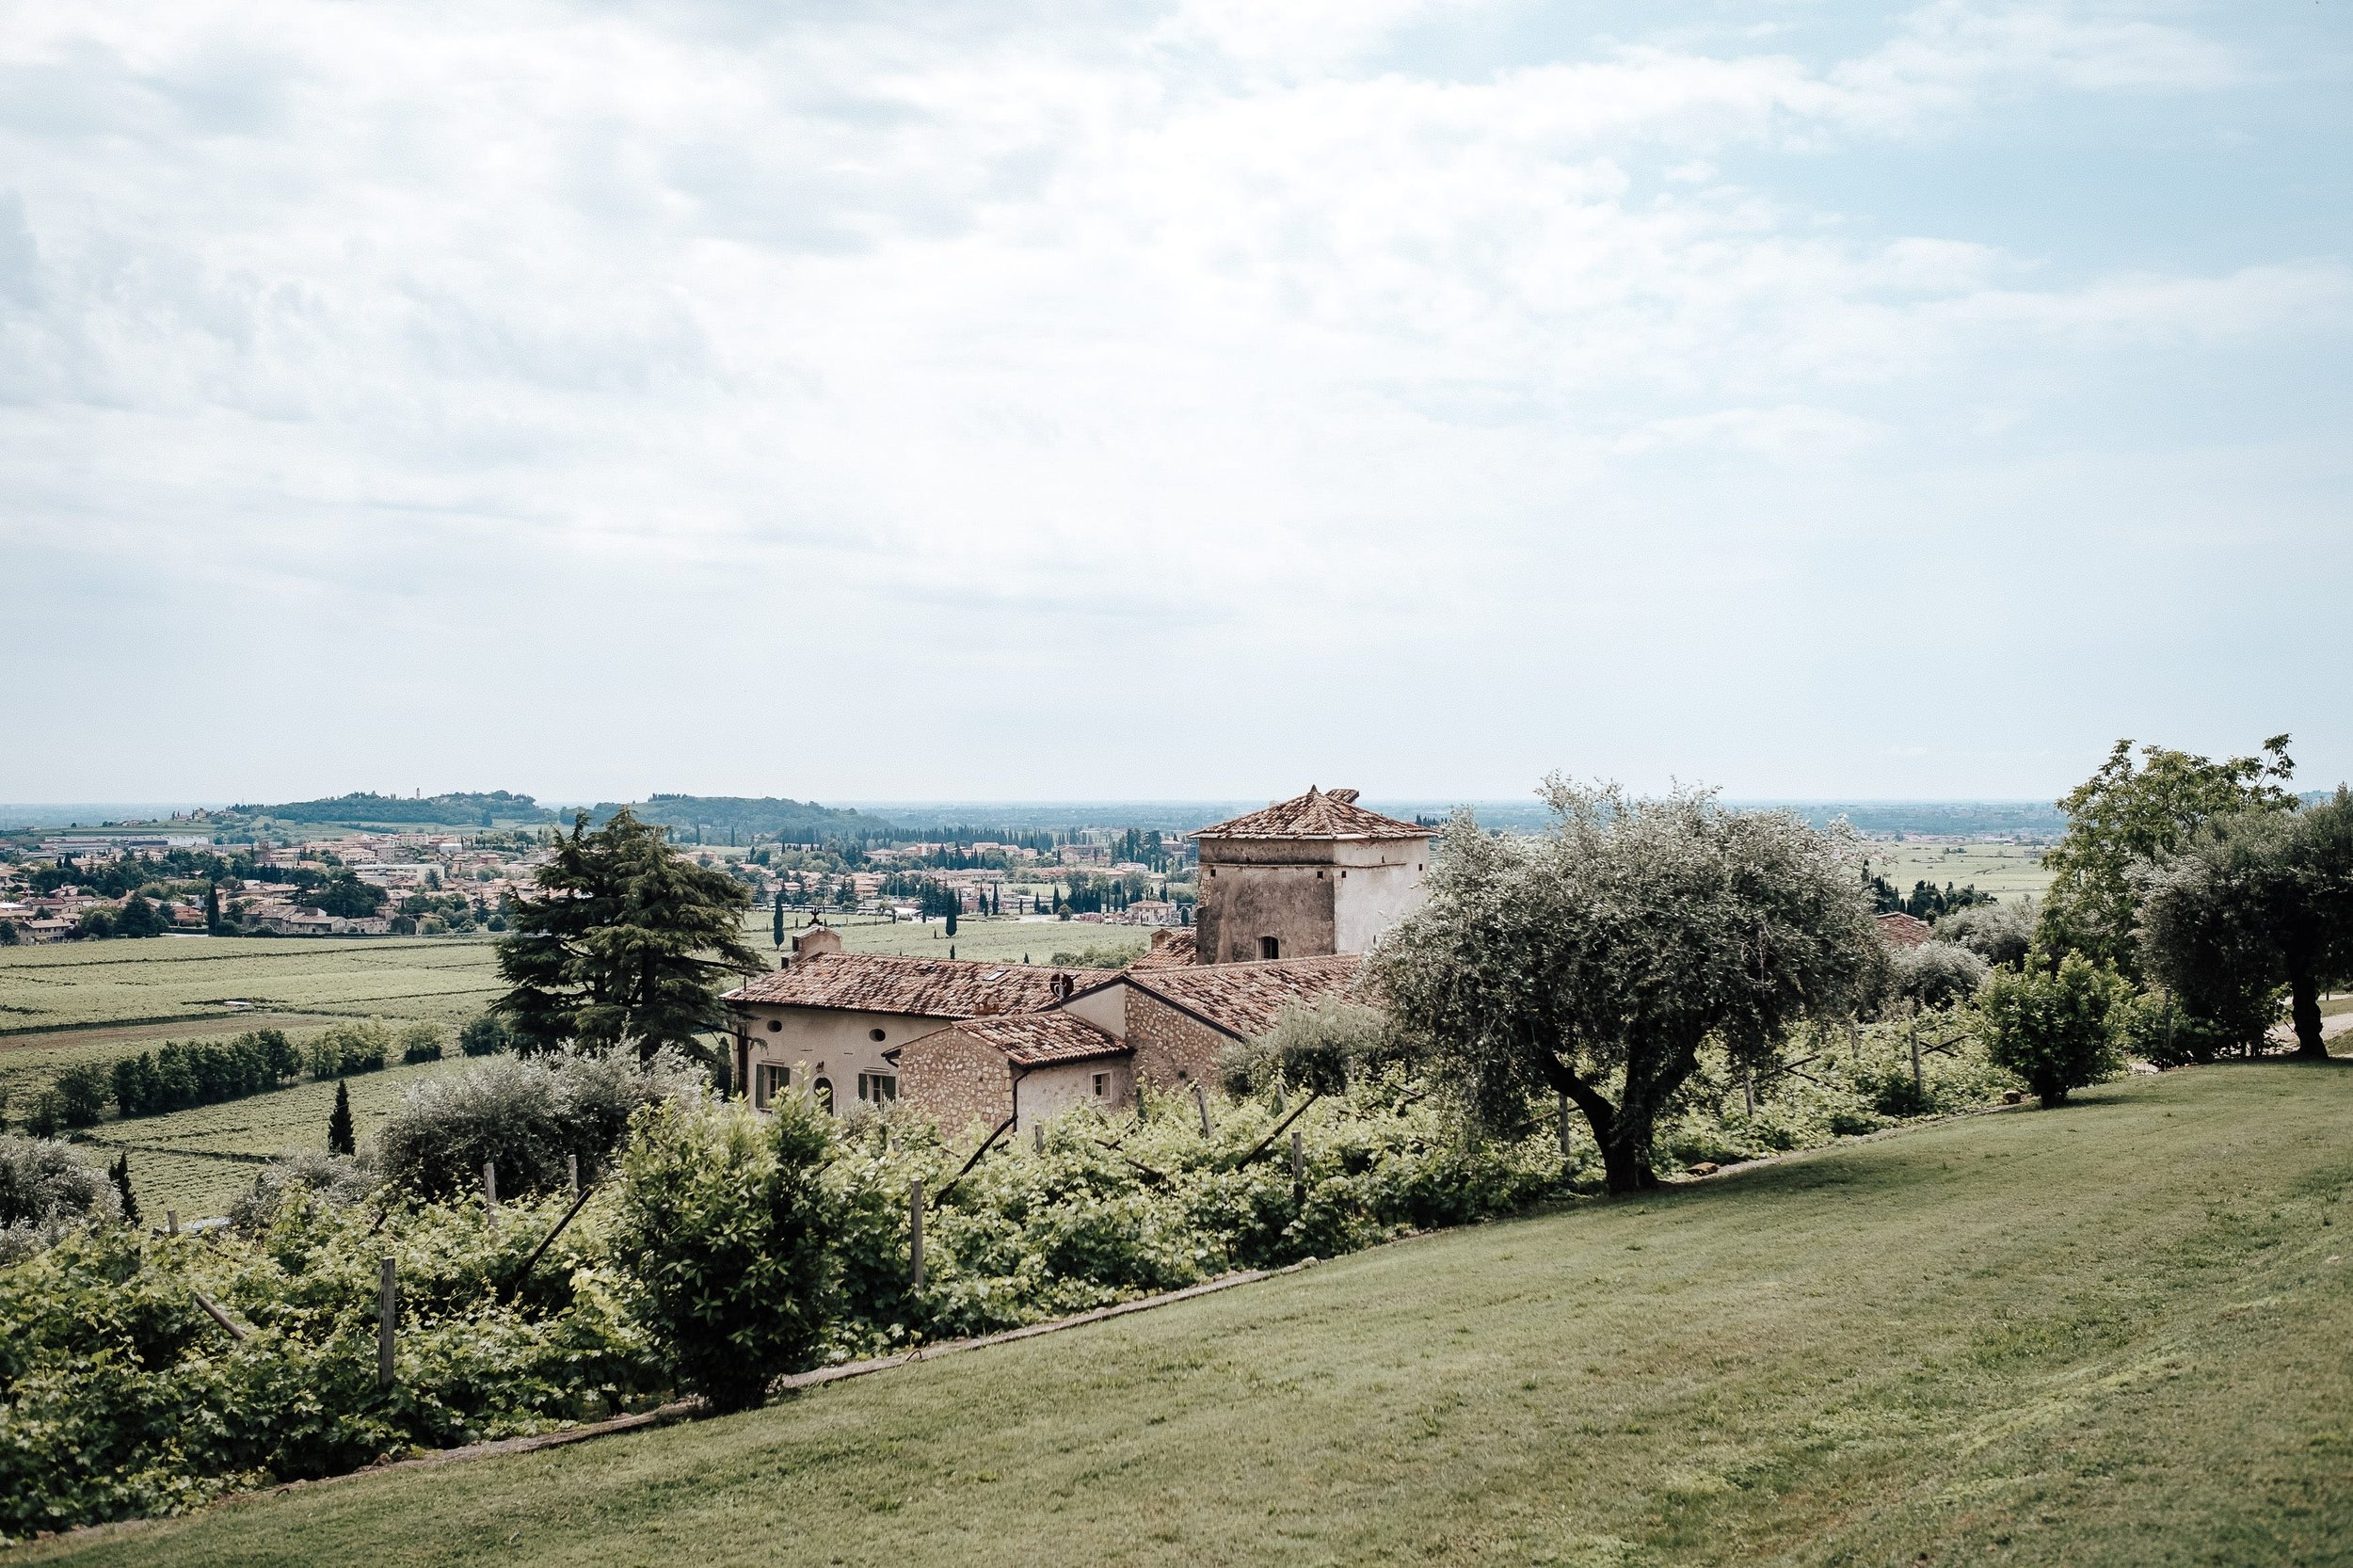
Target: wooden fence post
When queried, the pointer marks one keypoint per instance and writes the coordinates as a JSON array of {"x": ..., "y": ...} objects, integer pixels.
[
  {"x": 171, "y": 1222},
  {"x": 1919, "y": 1091},
  {"x": 915, "y": 1232},
  {"x": 1038, "y": 1137},
  {"x": 1748, "y": 1089},
  {"x": 387, "y": 1319},
  {"x": 1282, "y": 1100},
  {"x": 1563, "y": 1110},
  {"x": 571, "y": 1172},
  {"x": 1299, "y": 1171},
  {"x": 1201, "y": 1101},
  {"x": 491, "y": 1190}
]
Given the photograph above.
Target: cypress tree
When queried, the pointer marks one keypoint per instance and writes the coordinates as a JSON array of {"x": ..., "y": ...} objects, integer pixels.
[
  {"x": 951, "y": 924},
  {"x": 120, "y": 1171},
  {"x": 776, "y": 926},
  {"x": 339, "y": 1134},
  {"x": 212, "y": 909}
]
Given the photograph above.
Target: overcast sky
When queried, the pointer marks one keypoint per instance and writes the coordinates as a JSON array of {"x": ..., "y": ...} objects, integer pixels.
[{"x": 1195, "y": 399}]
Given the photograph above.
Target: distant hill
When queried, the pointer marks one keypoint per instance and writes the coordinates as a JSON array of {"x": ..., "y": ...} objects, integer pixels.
[
  {"x": 361, "y": 809},
  {"x": 769, "y": 816}
]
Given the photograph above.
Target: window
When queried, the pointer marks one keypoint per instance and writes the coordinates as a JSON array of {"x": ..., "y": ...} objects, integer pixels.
[
  {"x": 1270, "y": 947},
  {"x": 769, "y": 1080},
  {"x": 873, "y": 1034},
  {"x": 877, "y": 1088},
  {"x": 776, "y": 1026},
  {"x": 1103, "y": 1086},
  {"x": 823, "y": 1089}
]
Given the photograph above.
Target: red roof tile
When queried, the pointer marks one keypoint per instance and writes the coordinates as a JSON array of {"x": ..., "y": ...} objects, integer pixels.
[
  {"x": 925, "y": 988},
  {"x": 1169, "y": 950},
  {"x": 1899, "y": 929},
  {"x": 1244, "y": 1000},
  {"x": 1317, "y": 814},
  {"x": 1031, "y": 1039}
]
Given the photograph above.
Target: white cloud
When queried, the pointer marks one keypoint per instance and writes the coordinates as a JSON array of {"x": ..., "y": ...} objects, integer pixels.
[{"x": 1128, "y": 325}]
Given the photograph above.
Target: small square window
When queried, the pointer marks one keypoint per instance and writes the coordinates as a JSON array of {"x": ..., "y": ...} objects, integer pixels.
[
  {"x": 1103, "y": 1086},
  {"x": 1270, "y": 947},
  {"x": 877, "y": 1088},
  {"x": 770, "y": 1080}
]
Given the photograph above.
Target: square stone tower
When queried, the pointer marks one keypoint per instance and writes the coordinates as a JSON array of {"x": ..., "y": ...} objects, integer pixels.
[{"x": 1306, "y": 877}]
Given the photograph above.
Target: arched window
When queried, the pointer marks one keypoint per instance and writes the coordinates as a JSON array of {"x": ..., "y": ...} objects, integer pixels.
[{"x": 823, "y": 1089}]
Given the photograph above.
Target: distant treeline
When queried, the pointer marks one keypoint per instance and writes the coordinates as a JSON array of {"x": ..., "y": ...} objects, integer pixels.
[{"x": 363, "y": 809}]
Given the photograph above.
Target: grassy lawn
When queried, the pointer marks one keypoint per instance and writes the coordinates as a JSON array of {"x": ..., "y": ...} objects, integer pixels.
[{"x": 2102, "y": 1334}]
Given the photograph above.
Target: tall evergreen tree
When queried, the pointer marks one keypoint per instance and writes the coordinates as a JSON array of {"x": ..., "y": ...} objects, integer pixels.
[
  {"x": 776, "y": 926},
  {"x": 340, "y": 1137},
  {"x": 630, "y": 944},
  {"x": 211, "y": 908},
  {"x": 120, "y": 1174}
]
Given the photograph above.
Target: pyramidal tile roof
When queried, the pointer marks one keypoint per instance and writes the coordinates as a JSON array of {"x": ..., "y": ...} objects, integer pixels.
[{"x": 1317, "y": 814}]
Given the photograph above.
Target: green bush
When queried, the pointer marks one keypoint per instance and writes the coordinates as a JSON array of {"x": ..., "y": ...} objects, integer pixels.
[
  {"x": 525, "y": 1114},
  {"x": 46, "y": 1190},
  {"x": 420, "y": 1042},
  {"x": 2057, "y": 1027},
  {"x": 81, "y": 1094},
  {"x": 484, "y": 1035},
  {"x": 120, "y": 1397},
  {"x": 728, "y": 1227},
  {"x": 175, "y": 1076},
  {"x": 352, "y": 1047}
]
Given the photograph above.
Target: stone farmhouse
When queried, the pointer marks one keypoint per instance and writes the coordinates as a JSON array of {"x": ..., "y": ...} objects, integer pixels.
[{"x": 1291, "y": 898}]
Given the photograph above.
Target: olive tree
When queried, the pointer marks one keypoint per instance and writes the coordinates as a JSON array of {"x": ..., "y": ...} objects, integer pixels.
[
  {"x": 1594, "y": 960},
  {"x": 2255, "y": 903}
]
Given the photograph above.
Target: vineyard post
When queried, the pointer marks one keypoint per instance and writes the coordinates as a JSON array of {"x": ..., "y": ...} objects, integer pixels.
[
  {"x": 1918, "y": 1092},
  {"x": 915, "y": 1232},
  {"x": 1299, "y": 1171},
  {"x": 491, "y": 1192},
  {"x": 387, "y": 1321},
  {"x": 171, "y": 1222},
  {"x": 1564, "y": 1121},
  {"x": 571, "y": 1171},
  {"x": 1201, "y": 1102}
]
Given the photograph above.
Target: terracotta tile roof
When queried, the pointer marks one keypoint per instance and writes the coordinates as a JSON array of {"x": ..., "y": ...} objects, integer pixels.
[
  {"x": 1899, "y": 929},
  {"x": 925, "y": 988},
  {"x": 1169, "y": 950},
  {"x": 1032, "y": 1039},
  {"x": 1317, "y": 814},
  {"x": 1244, "y": 1000}
]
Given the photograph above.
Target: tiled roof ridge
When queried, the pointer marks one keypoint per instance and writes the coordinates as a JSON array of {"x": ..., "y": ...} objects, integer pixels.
[
  {"x": 1317, "y": 814},
  {"x": 928, "y": 988}
]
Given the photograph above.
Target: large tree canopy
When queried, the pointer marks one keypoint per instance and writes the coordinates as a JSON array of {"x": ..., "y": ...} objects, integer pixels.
[
  {"x": 2252, "y": 904},
  {"x": 2123, "y": 816},
  {"x": 630, "y": 944},
  {"x": 1596, "y": 959}
]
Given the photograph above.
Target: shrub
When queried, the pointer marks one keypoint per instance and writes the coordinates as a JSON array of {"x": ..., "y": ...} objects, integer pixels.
[
  {"x": 332, "y": 1180},
  {"x": 352, "y": 1047},
  {"x": 46, "y": 1190},
  {"x": 1936, "y": 974},
  {"x": 1315, "y": 1049},
  {"x": 420, "y": 1042},
  {"x": 81, "y": 1094},
  {"x": 2055, "y": 1028},
  {"x": 728, "y": 1226},
  {"x": 1997, "y": 933},
  {"x": 485, "y": 1035},
  {"x": 175, "y": 1076},
  {"x": 526, "y": 1114},
  {"x": 1105, "y": 956}
]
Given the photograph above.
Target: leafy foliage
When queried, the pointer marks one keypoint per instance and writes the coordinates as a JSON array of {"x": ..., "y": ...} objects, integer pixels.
[
  {"x": 525, "y": 1114},
  {"x": 1997, "y": 933},
  {"x": 1935, "y": 974},
  {"x": 729, "y": 1229},
  {"x": 46, "y": 1190},
  {"x": 615, "y": 953},
  {"x": 485, "y": 1034},
  {"x": 2254, "y": 905},
  {"x": 2060, "y": 1028},
  {"x": 176, "y": 1075},
  {"x": 2124, "y": 817},
  {"x": 350, "y": 1047},
  {"x": 1597, "y": 959}
]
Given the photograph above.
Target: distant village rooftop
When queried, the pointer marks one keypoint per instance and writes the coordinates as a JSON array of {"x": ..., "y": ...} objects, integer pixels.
[{"x": 1317, "y": 814}]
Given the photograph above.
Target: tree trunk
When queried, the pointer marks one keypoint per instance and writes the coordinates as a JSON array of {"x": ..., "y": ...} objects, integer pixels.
[
  {"x": 2304, "y": 1008},
  {"x": 1625, "y": 1141}
]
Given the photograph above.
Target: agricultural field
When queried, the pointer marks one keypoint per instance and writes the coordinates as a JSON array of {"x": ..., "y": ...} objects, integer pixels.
[
  {"x": 197, "y": 1161},
  {"x": 1009, "y": 940},
  {"x": 2009, "y": 871},
  {"x": 2094, "y": 1335},
  {"x": 78, "y": 1002}
]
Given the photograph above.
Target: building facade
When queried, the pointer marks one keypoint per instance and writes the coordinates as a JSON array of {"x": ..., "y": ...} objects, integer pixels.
[{"x": 1307, "y": 878}]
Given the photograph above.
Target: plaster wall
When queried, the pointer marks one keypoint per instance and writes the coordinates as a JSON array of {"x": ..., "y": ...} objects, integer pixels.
[
  {"x": 833, "y": 1043},
  {"x": 1058, "y": 1089}
]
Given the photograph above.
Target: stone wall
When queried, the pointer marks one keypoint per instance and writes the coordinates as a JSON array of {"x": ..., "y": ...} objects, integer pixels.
[
  {"x": 959, "y": 1082},
  {"x": 1170, "y": 1048}
]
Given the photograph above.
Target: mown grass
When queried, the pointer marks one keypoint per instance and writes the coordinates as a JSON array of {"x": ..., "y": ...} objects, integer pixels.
[{"x": 2101, "y": 1334}]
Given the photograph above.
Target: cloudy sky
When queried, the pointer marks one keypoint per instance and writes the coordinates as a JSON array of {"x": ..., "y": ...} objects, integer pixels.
[{"x": 1191, "y": 399}]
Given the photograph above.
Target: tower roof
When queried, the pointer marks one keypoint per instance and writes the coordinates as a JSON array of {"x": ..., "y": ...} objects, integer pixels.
[{"x": 1317, "y": 814}]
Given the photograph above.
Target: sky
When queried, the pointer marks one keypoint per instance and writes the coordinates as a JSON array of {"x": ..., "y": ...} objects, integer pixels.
[{"x": 1180, "y": 400}]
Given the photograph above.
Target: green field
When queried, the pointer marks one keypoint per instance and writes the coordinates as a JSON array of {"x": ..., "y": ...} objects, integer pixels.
[
  {"x": 2105, "y": 1334},
  {"x": 2006, "y": 870},
  {"x": 97, "y": 1001}
]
